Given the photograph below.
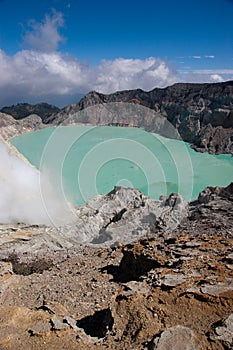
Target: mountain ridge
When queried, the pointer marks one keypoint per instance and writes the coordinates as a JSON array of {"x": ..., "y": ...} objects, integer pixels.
[
  {"x": 23, "y": 110},
  {"x": 201, "y": 113}
]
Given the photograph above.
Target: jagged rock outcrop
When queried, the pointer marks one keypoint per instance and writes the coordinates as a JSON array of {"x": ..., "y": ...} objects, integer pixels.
[
  {"x": 121, "y": 216},
  {"x": 9, "y": 127},
  {"x": 125, "y": 214},
  {"x": 201, "y": 113}
]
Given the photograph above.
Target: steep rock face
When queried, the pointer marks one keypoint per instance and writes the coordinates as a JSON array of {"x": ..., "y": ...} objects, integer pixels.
[
  {"x": 9, "y": 127},
  {"x": 201, "y": 113}
]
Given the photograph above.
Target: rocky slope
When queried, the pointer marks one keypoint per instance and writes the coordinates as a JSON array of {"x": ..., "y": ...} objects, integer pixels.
[
  {"x": 9, "y": 127},
  {"x": 201, "y": 113},
  {"x": 23, "y": 110},
  {"x": 171, "y": 289}
]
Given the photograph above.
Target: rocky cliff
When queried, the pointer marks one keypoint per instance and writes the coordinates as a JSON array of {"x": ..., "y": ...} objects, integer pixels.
[
  {"x": 201, "y": 113},
  {"x": 9, "y": 127}
]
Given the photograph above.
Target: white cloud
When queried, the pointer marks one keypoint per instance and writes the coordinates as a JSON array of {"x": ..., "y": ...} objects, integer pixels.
[
  {"x": 200, "y": 57},
  {"x": 217, "y": 78},
  {"x": 45, "y": 36},
  {"x": 122, "y": 74},
  {"x": 33, "y": 73},
  {"x": 206, "y": 75}
]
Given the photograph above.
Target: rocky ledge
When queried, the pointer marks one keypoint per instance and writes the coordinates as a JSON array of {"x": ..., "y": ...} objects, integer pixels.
[{"x": 172, "y": 288}]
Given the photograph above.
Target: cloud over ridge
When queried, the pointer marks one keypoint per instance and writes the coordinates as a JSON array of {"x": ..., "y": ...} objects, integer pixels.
[{"x": 39, "y": 73}]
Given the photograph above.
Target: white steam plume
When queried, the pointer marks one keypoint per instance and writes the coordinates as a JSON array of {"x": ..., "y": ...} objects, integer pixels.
[{"x": 20, "y": 193}]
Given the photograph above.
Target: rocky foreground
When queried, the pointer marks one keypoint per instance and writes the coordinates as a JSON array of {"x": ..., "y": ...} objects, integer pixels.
[{"x": 170, "y": 289}]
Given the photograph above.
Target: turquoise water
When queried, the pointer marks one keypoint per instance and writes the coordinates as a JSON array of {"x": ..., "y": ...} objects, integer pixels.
[{"x": 83, "y": 161}]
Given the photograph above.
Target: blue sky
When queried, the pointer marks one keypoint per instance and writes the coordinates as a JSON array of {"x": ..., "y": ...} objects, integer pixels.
[{"x": 54, "y": 50}]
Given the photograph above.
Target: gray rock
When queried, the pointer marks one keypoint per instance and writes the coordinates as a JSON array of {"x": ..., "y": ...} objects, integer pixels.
[
  {"x": 224, "y": 333},
  {"x": 71, "y": 322},
  {"x": 120, "y": 217},
  {"x": 54, "y": 307},
  {"x": 173, "y": 280},
  {"x": 114, "y": 217},
  {"x": 40, "y": 329},
  {"x": 9, "y": 127},
  {"x": 117, "y": 214},
  {"x": 205, "y": 196},
  {"x": 175, "y": 338},
  {"x": 192, "y": 244},
  {"x": 133, "y": 287},
  {"x": 218, "y": 289},
  {"x": 58, "y": 325}
]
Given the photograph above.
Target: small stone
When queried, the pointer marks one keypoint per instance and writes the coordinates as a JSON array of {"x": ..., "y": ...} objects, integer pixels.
[
  {"x": 224, "y": 333},
  {"x": 40, "y": 329},
  {"x": 71, "y": 322},
  {"x": 173, "y": 280},
  {"x": 220, "y": 289},
  {"x": 175, "y": 338},
  {"x": 192, "y": 244},
  {"x": 220, "y": 331},
  {"x": 135, "y": 287},
  {"x": 58, "y": 325},
  {"x": 229, "y": 258},
  {"x": 55, "y": 308},
  {"x": 229, "y": 266}
]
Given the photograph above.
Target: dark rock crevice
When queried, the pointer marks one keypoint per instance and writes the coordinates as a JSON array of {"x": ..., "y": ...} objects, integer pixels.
[
  {"x": 98, "y": 324},
  {"x": 117, "y": 217}
]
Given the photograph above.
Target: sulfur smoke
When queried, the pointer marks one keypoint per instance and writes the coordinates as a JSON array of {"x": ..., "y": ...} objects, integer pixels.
[{"x": 21, "y": 194}]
